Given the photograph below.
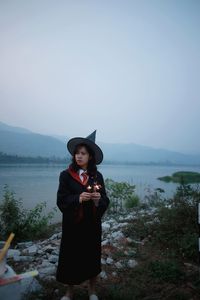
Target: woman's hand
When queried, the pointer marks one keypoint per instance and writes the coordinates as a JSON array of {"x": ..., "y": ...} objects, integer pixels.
[
  {"x": 95, "y": 197},
  {"x": 84, "y": 197}
]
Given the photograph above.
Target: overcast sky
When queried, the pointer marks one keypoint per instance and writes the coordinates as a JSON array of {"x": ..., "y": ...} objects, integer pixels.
[{"x": 130, "y": 69}]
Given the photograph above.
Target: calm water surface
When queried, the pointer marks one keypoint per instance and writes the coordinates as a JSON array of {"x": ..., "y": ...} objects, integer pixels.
[{"x": 37, "y": 183}]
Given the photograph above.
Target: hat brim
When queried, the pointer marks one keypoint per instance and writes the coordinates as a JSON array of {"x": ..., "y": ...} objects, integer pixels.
[{"x": 72, "y": 143}]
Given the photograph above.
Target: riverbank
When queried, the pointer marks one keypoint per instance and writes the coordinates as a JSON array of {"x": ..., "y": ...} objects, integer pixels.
[{"x": 132, "y": 266}]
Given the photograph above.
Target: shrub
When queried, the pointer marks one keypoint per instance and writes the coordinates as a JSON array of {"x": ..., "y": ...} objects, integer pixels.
[
  {"x": 174, "y": 224},
  {"x": 121, "y": 194},
  {"x": 131, "y": 201},
  {"x": 26, "y": 224}
]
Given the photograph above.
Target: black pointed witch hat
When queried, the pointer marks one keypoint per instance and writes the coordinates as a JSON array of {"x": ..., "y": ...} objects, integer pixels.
[{"x": 90, "y": 141}]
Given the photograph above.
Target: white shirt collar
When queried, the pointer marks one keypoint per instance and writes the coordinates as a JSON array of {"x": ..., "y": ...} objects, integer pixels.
[{"x": 82, "y": 171}]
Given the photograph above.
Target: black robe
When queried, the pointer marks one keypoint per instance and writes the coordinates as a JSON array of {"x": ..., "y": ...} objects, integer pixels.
[{"x": 80, "y": 248}]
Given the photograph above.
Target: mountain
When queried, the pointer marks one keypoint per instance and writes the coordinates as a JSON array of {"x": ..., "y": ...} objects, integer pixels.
[
  {"x": 143, "y": 154},
  {"x": 5, "y": 127},
  {"x": 22, "y": 142}
]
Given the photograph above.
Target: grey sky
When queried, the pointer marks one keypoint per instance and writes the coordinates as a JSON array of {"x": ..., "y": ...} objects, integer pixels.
[{"x": 129, "y": 69}]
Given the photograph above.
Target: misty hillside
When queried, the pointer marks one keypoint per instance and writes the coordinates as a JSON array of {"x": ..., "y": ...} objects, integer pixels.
[
  {"x": 22, "y": 142},
  {"x": 5, "y": 127},
  {"x": 137, "y": 153}
]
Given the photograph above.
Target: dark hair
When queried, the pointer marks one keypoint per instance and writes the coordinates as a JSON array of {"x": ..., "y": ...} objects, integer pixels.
[{"x": 92, "y": 168}]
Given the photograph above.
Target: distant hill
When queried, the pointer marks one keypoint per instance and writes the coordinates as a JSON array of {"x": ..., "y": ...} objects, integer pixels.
[
  {"x": 5, "y": 127},
  {"x": 19, "y": 141},
  {"x": 138, "y": 153},
  {"x": 22, "y": 142}
]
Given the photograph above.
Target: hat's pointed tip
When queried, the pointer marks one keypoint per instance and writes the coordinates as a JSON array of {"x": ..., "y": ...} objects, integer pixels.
[{"x": 92, "y": 136}]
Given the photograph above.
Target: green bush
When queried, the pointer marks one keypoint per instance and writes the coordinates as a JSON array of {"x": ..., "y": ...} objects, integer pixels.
[
  {"x": 26, "y": 224},
  {"x": 132, "y": 201},
  {"x": 122, "y": 195},
  {"x": 174, "y": 223}
]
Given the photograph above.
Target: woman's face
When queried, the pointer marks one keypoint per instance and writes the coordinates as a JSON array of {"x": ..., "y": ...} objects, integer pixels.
[{"x": 82, "y": 157}]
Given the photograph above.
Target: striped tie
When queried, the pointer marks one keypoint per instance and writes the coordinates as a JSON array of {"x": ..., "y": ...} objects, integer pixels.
[{"x": 84, "y": 176}]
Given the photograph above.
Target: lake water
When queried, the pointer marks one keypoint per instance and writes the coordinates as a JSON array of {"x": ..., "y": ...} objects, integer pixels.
[{"x": 37, "y": 183}]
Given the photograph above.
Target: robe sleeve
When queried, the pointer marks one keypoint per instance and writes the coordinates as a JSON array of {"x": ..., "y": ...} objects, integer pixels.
[
  {"x": 65, "y": 199},
  {"x": 104, "y": 200}
]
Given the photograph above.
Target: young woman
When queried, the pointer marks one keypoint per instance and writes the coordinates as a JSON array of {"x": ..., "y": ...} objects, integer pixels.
[{"x": 82, "y": 199}]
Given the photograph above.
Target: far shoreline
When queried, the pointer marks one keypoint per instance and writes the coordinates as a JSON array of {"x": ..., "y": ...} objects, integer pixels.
[{"x": 106, "y": 163}]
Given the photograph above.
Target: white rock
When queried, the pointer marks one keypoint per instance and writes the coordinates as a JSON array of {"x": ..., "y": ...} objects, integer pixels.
[
  {"x": 119, "y": 265},
  {"x": 24, "y": 244},
  {"x": 129, "y": 240},
  {"x": 103, "y": 261},
  {"x": 59, "y": 235},
  {"x": 55, "y": 252},
  {"x": 121, "y": 219},
  {"x": 13, "y": 252},
  {"x": 53, "y": 258},
  {"x": 117, "y": 235},
  {"x": 105, "y": 226},
  {"x": 53, "y": 237},
  {"x": 103, "y": 275},
  {"x": 22, "y": 258},
  {"x": 124, "y": 224},
  {"x": 32, "y": 249},
  {"x": 114, "y": 273},
  {"x": 109, "y": 260},
  {"x": 132, "y": 263},
  {"x": 43, "y": 272},
  {"x": 45, "y": 263},
  {"x": 129, "y": 218},
  {"x": 116, "y": 226},
  {"x": 105, "y": 242},
  {"x": 111, "y": 221}
]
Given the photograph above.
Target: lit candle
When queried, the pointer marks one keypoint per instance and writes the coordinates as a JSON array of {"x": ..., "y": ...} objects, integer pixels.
[
  {"x": 97, "y": 187},
  {"x": 89, "y": 188}
]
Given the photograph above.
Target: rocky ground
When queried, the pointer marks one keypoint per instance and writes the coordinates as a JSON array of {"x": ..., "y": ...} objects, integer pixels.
[
  {"x": 117, "y": 251},
  {"x": 126, "y": 265}
]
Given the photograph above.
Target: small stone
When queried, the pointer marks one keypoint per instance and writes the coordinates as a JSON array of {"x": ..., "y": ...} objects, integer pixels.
[
  {"x": 132, "y": 263},
  {"x": 22, "y": 258},
  {"x": 117, "y": 235},
  {"x": 44, "y": 272},
  {"x": 105, "y": 242},
  {"x": 45, "y": 263},
  {"x": 53, "y": 258},
  {"x": 129, "y": 240},
  {"x": 109, "y": 260},
  {"x": 103, "y": 275},
  {"x": 103, "y": 261},
  {"x": 53, "y": 237},
  {"x": 32, "y": 250},
  {"x": 12, "y": 252},
  {"x": 56, "y": 291},
  {"x": 105, "y": 226},
  {"x": 119, "y": 265},
  {"x": 24, "y": 244}
]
